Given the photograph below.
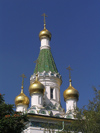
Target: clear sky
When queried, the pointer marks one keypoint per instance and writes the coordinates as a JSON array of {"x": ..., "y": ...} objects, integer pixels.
[{"x": 75, "y": 28}]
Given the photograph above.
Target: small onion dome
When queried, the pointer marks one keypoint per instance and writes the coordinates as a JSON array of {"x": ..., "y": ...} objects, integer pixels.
[
  {"x": 21, "y": 99},
  {"x": 70, "y": 92},
  {"x": 36, "y": 87},
  {"x": 44, "y": 33}
]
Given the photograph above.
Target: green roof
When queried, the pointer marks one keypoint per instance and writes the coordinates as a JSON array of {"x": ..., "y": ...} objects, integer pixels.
[{"x": 45, "y": 62}]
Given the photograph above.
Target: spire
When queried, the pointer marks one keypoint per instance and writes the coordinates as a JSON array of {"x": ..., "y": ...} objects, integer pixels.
[
  {"x": 45, "y": 62},
  {"x": 44, "y": 20},
  {"x": 69, "y": 68}
]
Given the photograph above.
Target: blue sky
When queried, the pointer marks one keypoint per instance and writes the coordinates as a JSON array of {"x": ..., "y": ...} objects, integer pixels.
[{"x": 75, "y": 29}]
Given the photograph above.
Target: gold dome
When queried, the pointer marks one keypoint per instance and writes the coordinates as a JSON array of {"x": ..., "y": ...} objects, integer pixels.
[
  {"x": 44, "y": 33},
  {"x": 36, "y": 87},
  {"x": 70, "y": 92},
  {"x": 21, "y": 99}
]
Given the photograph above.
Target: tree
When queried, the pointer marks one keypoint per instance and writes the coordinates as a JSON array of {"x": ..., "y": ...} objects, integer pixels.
[
  {"x": 88, "y": 118},
  {"x": 10, "y": 121}
]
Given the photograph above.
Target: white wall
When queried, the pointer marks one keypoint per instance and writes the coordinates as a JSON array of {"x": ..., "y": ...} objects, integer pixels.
[
  {"x": 21, "y": 108},
  {"x": 45, "y": 43},
  {"x": 71, "y": 105},
  {"x": 37, "y": 99}
]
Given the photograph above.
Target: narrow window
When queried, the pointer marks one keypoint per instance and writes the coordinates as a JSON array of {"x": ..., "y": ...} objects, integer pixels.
[{"x": 51, "y": 93}]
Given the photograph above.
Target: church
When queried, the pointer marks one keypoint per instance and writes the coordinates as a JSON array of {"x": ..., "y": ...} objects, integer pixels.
[{"x": 44, "y": 91}]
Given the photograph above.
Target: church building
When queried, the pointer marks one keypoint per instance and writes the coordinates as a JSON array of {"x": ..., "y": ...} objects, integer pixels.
[{"x": 44, "y": 91}]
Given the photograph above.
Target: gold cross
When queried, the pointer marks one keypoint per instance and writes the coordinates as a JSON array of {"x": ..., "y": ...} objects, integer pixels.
[
  {"x": 69, "y": 68},
  {"x": 23, "y": 76},
  {"x": 44, "y": 20}
]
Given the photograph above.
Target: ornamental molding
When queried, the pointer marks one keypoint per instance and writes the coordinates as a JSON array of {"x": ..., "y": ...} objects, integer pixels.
[{"x": 45, "y": 74}]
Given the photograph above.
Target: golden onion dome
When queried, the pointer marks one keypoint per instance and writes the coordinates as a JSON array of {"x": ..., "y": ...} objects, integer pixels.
[
  {"x": 21, "y": 99},
  {"x": 70, "y": 92},
  {"x": 36, "y": 87},
  {"x": 44, "y": 33}
]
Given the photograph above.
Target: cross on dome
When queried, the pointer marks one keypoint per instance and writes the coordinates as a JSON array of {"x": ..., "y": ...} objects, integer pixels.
[
  {"x": 69, "y": 68},
  {"x": 44, "y": 20},
  {"x": 23, "y": 76}
]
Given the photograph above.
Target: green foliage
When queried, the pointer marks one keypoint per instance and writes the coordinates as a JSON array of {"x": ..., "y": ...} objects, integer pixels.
[
  {"x": 10, "y": 121},
  {"x": 88, "y": 118}
]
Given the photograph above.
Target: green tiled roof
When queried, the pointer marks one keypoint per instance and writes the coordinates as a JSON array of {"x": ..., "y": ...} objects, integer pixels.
[{"x": 45, "y": 62}]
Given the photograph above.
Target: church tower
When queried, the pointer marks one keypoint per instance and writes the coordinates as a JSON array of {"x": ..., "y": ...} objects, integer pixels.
[{"x": 47, "y": 72}]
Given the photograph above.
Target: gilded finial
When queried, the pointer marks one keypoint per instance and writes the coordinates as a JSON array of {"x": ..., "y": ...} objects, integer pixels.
[
  {"x": 23, "y": 76},
  {"x": 36, "y": 77},
  {"x": 69, "y": 68},
  {"x": 44, "y": 20}
]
